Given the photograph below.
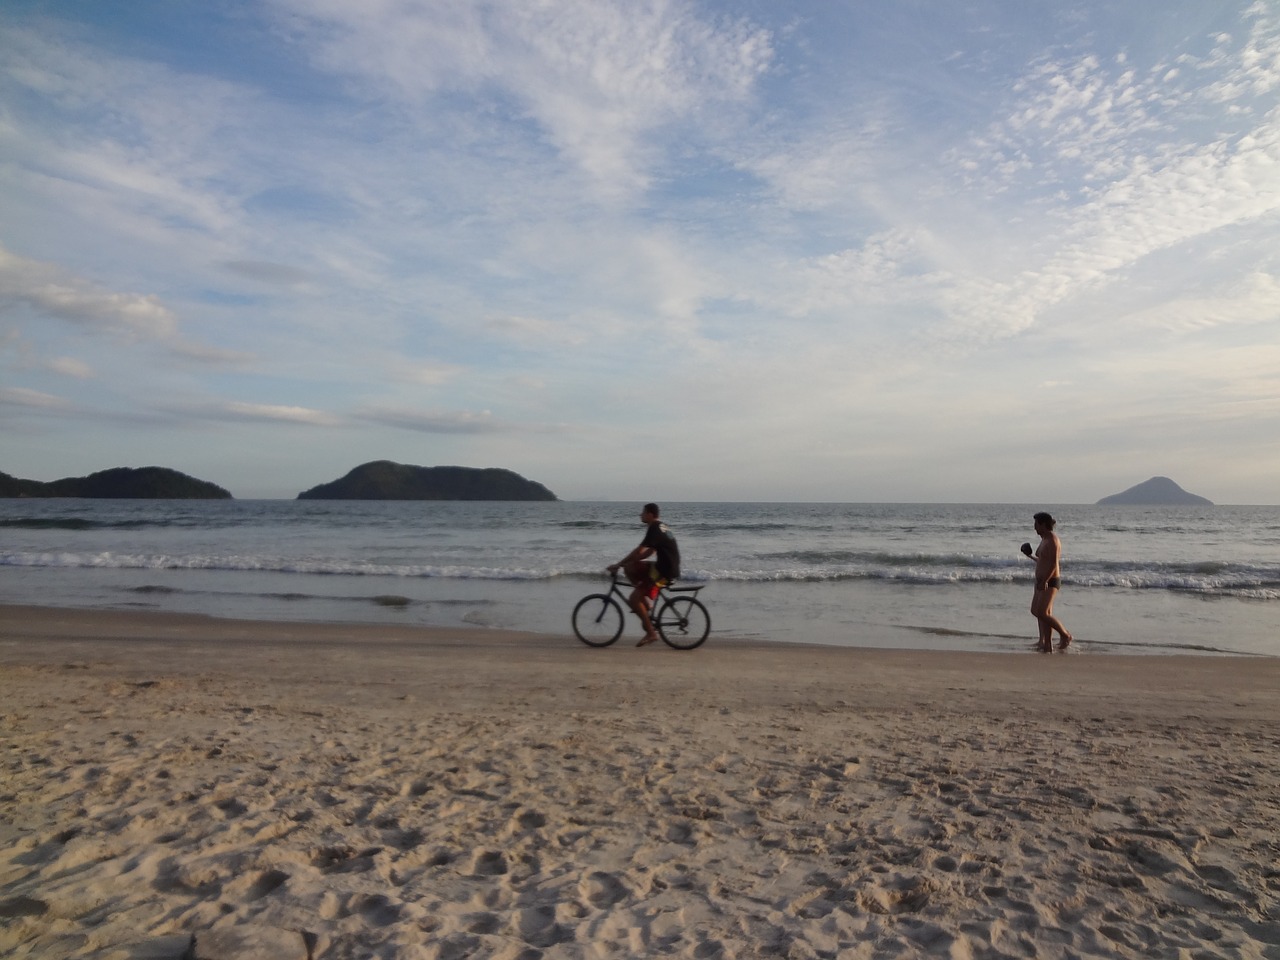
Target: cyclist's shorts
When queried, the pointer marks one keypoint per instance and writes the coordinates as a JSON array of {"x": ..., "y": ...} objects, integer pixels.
[{"x": 656, "y": 582}]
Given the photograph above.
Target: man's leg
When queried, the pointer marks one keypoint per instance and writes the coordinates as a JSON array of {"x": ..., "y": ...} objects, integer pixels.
[
  {"x": 1053, "y": 623},
  {"x": 1045, "y": 644},
  {"x": 638, "y": 572},
  {"x": 1042, "y": 609},
  {"x": 640, "y": 604}
]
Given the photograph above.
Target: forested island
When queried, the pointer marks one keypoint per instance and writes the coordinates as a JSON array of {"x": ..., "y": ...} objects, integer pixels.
[
  {"x": 1158, "y": 491},
  {"x": 385, "y": 480},
  {"x": 118, "y": 483}
]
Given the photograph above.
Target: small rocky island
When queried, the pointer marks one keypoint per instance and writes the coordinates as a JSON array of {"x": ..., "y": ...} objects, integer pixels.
[
  {"x": 1158, "y": 491},
  {"x": 385, "y": 480},
  {"x": 118, "y": 483}
]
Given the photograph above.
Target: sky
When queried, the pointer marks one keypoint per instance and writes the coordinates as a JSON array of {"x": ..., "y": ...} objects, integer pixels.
[{"x": 823, "y": 250}]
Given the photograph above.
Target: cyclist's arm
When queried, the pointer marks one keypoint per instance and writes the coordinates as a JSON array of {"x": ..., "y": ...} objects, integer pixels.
[{"x": 639, "y": 553}]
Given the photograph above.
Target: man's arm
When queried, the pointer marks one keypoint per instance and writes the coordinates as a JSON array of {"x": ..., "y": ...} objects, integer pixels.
[{"x": 639, "y": 553}]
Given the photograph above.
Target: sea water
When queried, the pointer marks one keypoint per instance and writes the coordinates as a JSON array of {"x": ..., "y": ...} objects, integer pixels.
[{"x": 923, "y": 576}]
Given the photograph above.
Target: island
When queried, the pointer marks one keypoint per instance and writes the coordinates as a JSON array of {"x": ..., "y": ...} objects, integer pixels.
[
  {"x": 385, "y": 480},
  {"x": 118, "y": 483},
  {"x": 1158, "y": 491}
]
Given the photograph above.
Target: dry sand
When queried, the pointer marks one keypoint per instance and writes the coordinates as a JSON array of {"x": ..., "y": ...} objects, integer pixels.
[{"x": 332, "y": 791}]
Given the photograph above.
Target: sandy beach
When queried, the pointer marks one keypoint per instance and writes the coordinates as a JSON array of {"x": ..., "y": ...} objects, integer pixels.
[{"x": 178, "y": 786}]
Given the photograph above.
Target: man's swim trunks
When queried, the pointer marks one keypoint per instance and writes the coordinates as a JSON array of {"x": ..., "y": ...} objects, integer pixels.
[{"x": 656, "y": 582}]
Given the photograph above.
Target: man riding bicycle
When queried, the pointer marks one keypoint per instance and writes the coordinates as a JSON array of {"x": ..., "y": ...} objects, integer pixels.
[{"x": 649, "y": 576}]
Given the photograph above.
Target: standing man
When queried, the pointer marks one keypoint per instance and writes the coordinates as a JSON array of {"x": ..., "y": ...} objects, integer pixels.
[
  {"x": 649, "y": 576},
  {"x": 1048, "y": 557}
]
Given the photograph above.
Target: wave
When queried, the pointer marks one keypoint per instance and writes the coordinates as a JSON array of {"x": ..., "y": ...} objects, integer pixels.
[
  {"x": 754, "y": 526},
  {"x": 74, "y": 523},
  {"x": 254, "y": 564},
  {"x": 81, "y": 524},
  {"x": 1209, "y": 579},
  {"x": 819, "y": 559}
]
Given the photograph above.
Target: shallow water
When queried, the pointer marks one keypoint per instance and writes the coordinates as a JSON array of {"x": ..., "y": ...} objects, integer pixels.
[{"x": 931, "y": 576}]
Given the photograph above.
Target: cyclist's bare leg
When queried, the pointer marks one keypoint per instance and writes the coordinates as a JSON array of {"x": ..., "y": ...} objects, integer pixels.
[
  {"x": 638, "y": 572},
  {"x": 640, "y": 604}
]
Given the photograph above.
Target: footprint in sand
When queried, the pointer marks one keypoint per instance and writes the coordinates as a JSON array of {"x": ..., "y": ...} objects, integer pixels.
[
  {"x": 267, "y": 882},
  {"x": 488, "y": 863},
  {"x": 902, "y": 895},
  {"x": 602, "y": 889},
  {"x": 527, "y": 821},
  {"x": 231, "y": 807},
  {"x": 538, "y": 927},
  {"x": 22, "y": 907},
  {"x": 379, "y": 910}
]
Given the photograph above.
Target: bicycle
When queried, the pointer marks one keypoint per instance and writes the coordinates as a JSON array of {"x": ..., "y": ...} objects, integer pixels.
[{"x": 682, "y": 621}]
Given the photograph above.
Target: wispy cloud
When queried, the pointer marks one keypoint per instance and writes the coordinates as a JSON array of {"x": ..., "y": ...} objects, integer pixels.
[
  {"x": 239, "y": 411},
  {"x": 70, "y": 367},
  {"x": 53, "y": 292},
  {"x": 275, "y": 274},
  {"x": 436, "y": 421},
  {"x": 596, "y": 77},
  {"x": 34, "y": 399},
  {"x": 1116, "y": 156},
  {"x": 50, "y": 291}
]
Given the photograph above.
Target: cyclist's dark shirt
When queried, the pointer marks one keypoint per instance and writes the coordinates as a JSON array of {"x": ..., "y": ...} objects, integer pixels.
[{"x": 667, "y": 554}]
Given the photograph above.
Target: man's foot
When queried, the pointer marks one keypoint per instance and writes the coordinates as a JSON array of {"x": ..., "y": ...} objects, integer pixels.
[
  {"x": 647, "y": 639},
  {"x": 1044, "y": 648},
  {"x": 1065, "y": 641}
]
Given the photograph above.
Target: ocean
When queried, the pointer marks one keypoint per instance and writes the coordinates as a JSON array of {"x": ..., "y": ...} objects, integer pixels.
[{"x": 1202, "y": 580}]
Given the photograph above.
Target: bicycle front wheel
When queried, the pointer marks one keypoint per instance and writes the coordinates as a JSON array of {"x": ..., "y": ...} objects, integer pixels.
[
  {"x": 683, "y": 622},
  {"x": 597, "y": 620}
]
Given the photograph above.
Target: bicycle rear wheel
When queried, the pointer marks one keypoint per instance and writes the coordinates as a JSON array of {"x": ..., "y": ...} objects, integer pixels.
[
  {"x": 683, "y": 622},
  {"x": 598, "y": 620}
]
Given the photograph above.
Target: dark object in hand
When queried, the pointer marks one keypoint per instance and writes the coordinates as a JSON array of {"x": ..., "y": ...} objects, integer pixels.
[{"x": 1026, "y": 548}]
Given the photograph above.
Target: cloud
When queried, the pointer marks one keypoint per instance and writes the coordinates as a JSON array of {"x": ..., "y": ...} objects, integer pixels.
[
  {"x": 434, "y": 421},
  {"x": 1149, "y": 179},
  {"x": 274, "y": 274},
  {"x": 1255, "y": 71},
  {"x": 70, "y": 367},
  {"x": 204, "y": 353},
  {"x": 50, "y": 290},
  {"x": 426, "y": 373},
  {"x": 256, "y": 412},
  {"x": 147, "y": 139},
  {"x": 34, "y": 399},
  {"x": 596, "y": 76}
]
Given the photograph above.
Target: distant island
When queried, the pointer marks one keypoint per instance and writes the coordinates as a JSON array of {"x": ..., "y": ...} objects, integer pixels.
[
  {"x": 385, "y": 480},
  {"x": 118, "y": 483},
  {"x": 1158, "y": 491}
]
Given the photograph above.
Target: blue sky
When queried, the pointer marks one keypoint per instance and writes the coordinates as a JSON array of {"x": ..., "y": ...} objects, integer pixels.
[{"x": 992, "y": 251}]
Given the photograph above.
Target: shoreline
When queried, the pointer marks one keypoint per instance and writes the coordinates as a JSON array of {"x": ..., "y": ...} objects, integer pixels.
[
  {"x": 878, "y": 636},
  {"x": 340, "y": 790}
]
